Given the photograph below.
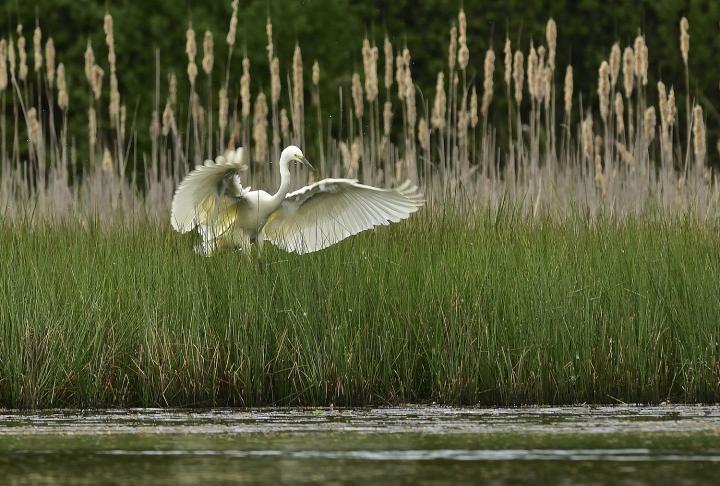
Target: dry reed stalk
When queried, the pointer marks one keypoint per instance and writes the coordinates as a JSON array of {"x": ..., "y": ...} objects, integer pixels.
[
  {"x": 587, "y": 137},
  {"x": 92, "y": 132},
  {"x": 316, "y": 74},
  {"x": 34, "y": 131},
  {"x": 488, "y": 71},
  {"x": 260, "y": 128}
]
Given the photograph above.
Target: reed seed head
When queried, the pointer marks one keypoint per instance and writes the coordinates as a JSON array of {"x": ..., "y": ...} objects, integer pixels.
[
  {"x": 89, "y": 62},
  {"x": 345, "y": 155},
  {"x": 168, "y": 119},
  {"x": 568, "y": 89},
  {"x": 551, "y": 37},
  {"x": 587, "y": 137},
  {"x": 615, "y": 59},
  {"x": 110, "y": 40},
  {"x": 488, "y": 71},
  {"x": 357, "y": 95},
  {"x": 463, "y": 51},
  {"x": 208, "y": 54},
  {"x": 619, "y": 113},
  {"x": 284, "y": 124},
  {"x": 232, "y": 29},
  {"x": 37, "y": 47},
  {"x": 298, "y": 90},
  {"x": 316, "y": 74},
  {"x": 50, "y": 61},
  {"x": 388, "y": 50},
  {"x": 3, "y": 65},
  {"x": 269, "y": 48},
  {"x": 107, "y": 161},
  {"x": 260, "y": 127},
  {"x": 34, "y": 127},
  {"x": 439, "y": 105},
  {"x": 11, "y": 56},
  {"x": 474, "y": 108},
  {"x": 452, "y": 48},
  {"x": 672, "y": 108},
  {"x": 518, "y": 75},
  {"x": 400, "y": 75},
  {"x": 22, "y": 56},
  {"x": 532, "y": 71},
  {"x": 424, "y": 134},
  {"x": 63, "y": 99},
  {"x": 355, "y": 156},
  {"x": 604, "y": 90},
  {"x": 191, "y": 51},
  {"x": 245, "y": 99},
  {"x": 275, "y": 84},
  {"x": 626, "y": 156},
  {"x": 370, "y": 58},
  {"x": 97, "y": 78},
  {"x": 628, "y": 71},
  {"x": 508, "y": 62},
  {"x": 699, "y": 136},
  {"x": 641, "y": 59},
  {"x": 650, "y": 122},
  {"x": 599, "y": 176},
  {"x": 223, "y": 107},
  {"x": 154, "y": 126},
  {"x": 684, "y": 39},
  {"x": 92, "y": 128},
  {"x": 387, "y": 118}
]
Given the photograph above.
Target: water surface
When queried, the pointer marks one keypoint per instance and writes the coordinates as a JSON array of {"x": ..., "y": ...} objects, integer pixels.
[{"x": 410, "y": 445}]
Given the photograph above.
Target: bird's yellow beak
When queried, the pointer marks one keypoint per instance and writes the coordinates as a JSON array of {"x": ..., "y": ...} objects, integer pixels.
[{"x": 306, "y": 163}]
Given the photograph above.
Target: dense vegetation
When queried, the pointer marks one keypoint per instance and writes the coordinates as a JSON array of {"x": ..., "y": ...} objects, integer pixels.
[{"x": 489, "y": 309}]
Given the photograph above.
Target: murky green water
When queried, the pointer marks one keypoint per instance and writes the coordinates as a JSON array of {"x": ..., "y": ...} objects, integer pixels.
[{"x": 413, "y": 445}]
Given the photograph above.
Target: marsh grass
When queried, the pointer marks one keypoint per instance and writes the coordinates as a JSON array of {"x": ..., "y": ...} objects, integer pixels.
[{"x": 490, "y": 308}]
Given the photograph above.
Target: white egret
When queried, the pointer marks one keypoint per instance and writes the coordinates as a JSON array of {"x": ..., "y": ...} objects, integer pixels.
[{"x": 227, "y": 214}]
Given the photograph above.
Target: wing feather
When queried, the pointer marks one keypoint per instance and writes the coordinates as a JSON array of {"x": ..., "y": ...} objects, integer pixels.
[
  {"x": 330, "y": 210},
  {"x": 208, "y": 195}
]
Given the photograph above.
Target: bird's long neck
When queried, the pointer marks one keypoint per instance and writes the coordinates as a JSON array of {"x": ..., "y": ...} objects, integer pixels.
[{"x": 285, "y": 179}]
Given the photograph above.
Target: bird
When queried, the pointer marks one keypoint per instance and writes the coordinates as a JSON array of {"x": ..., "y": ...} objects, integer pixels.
[{"x": 227, "y": 215}]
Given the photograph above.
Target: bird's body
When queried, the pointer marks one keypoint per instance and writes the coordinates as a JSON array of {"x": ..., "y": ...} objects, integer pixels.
[{"x": 226, "y": 214}]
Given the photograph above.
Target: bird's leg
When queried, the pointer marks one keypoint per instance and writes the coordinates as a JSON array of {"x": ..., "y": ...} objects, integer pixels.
[{"x": 261, "y": 262}]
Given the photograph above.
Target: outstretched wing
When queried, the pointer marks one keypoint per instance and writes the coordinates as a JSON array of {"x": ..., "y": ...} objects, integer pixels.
[
  {"x": 330, "y": 210},
  {"x": 208, "y": 196}
]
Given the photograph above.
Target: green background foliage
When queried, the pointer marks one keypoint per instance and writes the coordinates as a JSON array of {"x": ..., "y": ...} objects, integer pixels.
[{"x": 332, "y": 31}]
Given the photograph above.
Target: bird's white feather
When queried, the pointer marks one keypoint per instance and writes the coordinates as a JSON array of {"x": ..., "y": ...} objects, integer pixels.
[
  {"x": 330, "y": 210},
  {"x": 208, "y": 194}
]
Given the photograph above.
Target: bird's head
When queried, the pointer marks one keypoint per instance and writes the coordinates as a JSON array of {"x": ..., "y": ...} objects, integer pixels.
[{"x": 293, "y": 154}]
